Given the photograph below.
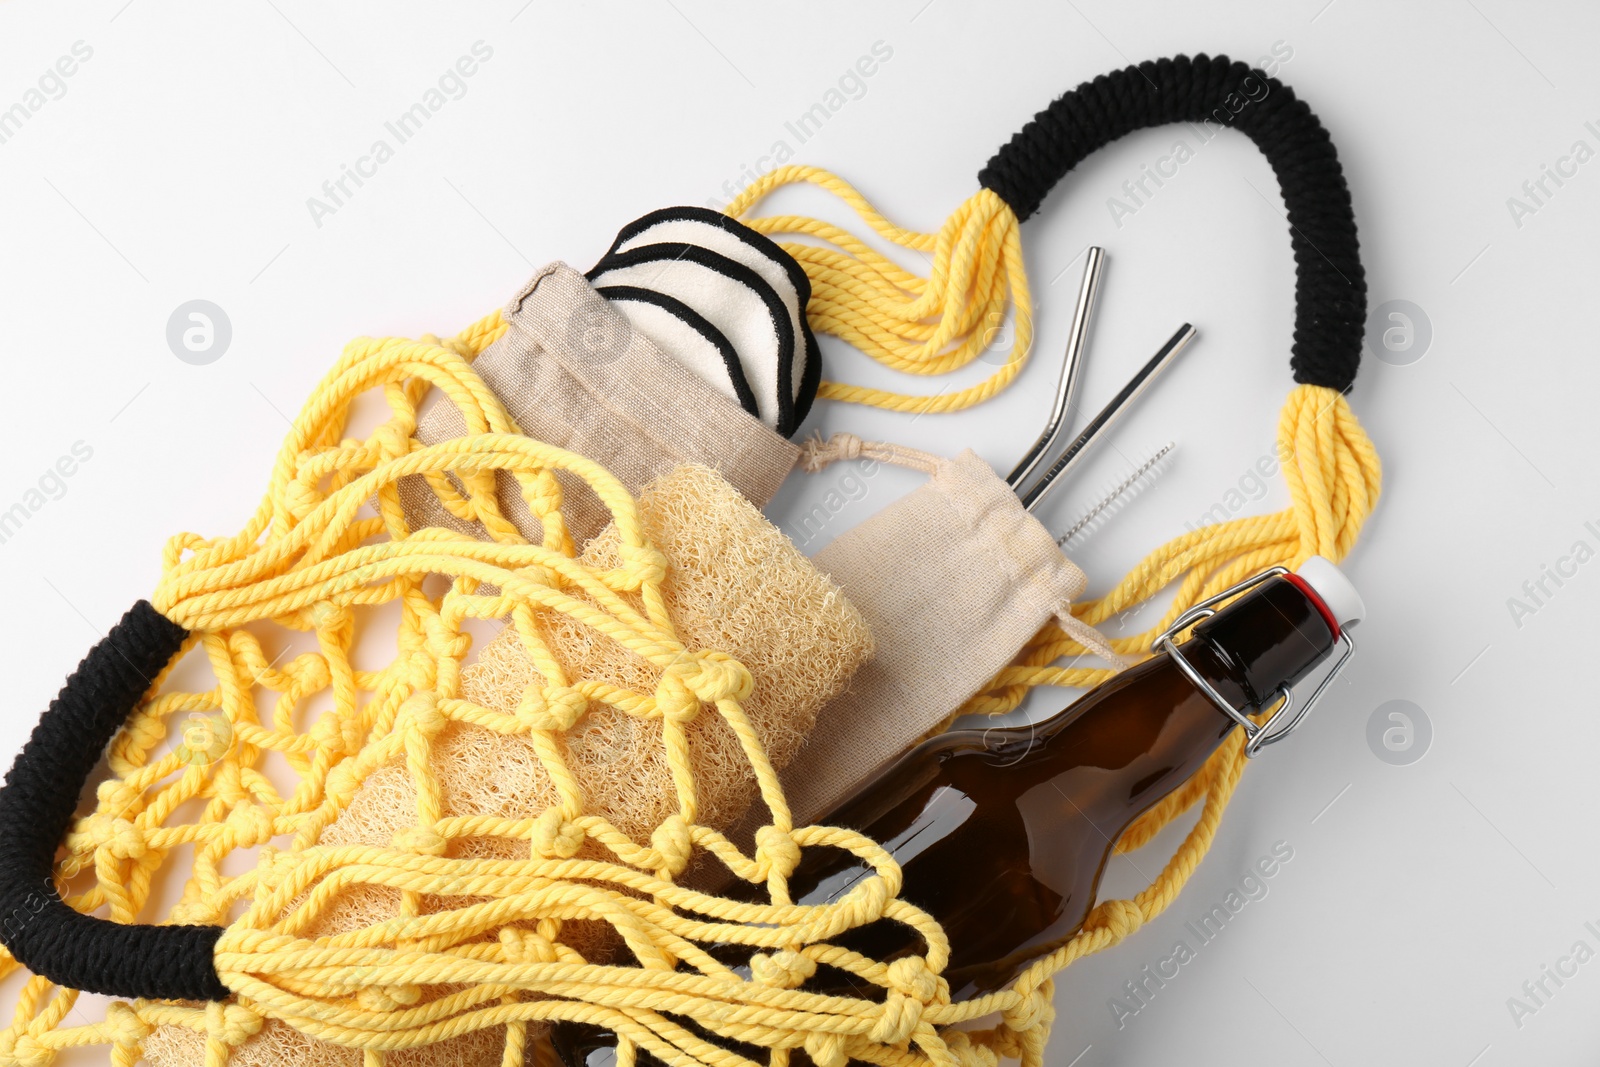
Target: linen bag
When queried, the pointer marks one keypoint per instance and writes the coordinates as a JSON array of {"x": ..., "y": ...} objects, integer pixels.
[{"x": 574, "y": 373}]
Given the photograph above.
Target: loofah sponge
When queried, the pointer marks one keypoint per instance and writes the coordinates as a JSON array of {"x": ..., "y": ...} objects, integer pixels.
[{"x": 734, "y": 583}]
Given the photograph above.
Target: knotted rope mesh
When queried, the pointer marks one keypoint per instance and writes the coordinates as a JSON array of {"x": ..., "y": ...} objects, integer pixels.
[{"x": 475, "y": 962}]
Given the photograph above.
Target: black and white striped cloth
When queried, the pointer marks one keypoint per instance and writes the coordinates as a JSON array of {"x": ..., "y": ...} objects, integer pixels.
[{"x": 722, "y": 299}]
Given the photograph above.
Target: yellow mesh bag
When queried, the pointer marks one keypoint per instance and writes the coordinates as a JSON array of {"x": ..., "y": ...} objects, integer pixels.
[
  {"x": 475, "y": 961},
  {"x": 472, "y": 979}
]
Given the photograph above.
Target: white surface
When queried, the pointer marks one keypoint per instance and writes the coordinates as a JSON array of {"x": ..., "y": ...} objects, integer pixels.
[{"x": 1419, "y": 898}]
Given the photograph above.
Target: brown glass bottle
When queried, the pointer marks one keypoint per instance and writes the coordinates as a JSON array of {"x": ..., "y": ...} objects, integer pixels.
[{"x": 1003, "y": 833}]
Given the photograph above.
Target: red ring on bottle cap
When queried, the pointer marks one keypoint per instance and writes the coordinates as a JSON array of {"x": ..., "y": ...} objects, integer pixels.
[{"x": 1317, "y": 601}]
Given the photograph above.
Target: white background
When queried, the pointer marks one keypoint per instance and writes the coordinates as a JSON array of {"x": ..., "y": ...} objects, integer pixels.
[{"x": 178, "y": 163}]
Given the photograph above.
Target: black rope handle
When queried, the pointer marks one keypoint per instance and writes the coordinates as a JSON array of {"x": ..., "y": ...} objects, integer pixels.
[
  {"x": 1330, "y": 288},
  {"x": 36, "y": 808}
]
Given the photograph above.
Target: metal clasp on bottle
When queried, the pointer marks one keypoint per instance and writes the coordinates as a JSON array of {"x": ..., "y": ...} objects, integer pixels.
[{"x": 1268, "y": 731}]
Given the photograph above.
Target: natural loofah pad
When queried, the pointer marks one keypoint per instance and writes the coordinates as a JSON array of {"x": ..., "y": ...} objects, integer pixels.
[
  {"x": 278, "y": 1045},
  {"x": 735, "y": 583}
]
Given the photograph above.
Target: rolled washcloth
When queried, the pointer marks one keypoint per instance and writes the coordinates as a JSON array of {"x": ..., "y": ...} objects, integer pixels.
[{"x": 723, "y": 300}]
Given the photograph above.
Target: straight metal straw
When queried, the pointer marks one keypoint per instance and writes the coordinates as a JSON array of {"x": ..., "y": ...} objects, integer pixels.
[
  {"x": 1071, "y": 365},
  {"x": 1108, "y": 415}
]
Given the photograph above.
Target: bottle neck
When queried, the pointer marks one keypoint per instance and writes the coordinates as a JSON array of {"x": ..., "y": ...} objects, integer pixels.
[
  {"x": 1268, "y": 639},
  {"x": 1152, "y": 718}
]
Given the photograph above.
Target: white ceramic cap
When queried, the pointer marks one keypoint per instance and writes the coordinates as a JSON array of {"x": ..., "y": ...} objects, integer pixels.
[{"x": 1334, "y": 588}]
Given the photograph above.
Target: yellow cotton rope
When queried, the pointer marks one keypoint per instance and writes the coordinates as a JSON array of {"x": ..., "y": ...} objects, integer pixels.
[
  {"x": 1334, "y": 478},
  {"x": 330, "y": 541},
  {"x": 917, "y": 325}
]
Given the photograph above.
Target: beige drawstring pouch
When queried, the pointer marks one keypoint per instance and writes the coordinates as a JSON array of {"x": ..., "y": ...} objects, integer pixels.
[
  {"x": 953, "y": 579},
  {"x": 573, "y": 372}
]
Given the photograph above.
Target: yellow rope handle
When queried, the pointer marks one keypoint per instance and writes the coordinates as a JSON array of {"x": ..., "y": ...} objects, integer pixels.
[
  {"x": 1334, "y": 478},
  {"x": 924, "y": 326}
]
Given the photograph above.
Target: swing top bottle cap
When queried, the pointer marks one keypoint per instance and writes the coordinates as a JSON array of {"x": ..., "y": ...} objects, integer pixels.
[{"x": 1335, "y": 590}]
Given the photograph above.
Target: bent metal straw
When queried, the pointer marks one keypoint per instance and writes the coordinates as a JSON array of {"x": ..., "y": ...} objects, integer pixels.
[{"x": 234, "y": 953}]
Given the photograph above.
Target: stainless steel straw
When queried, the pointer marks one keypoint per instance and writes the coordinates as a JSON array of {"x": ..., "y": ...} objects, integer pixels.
[
  {"x": 1071, "y": 366},
  {"x": 1109, "y": 415}
]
